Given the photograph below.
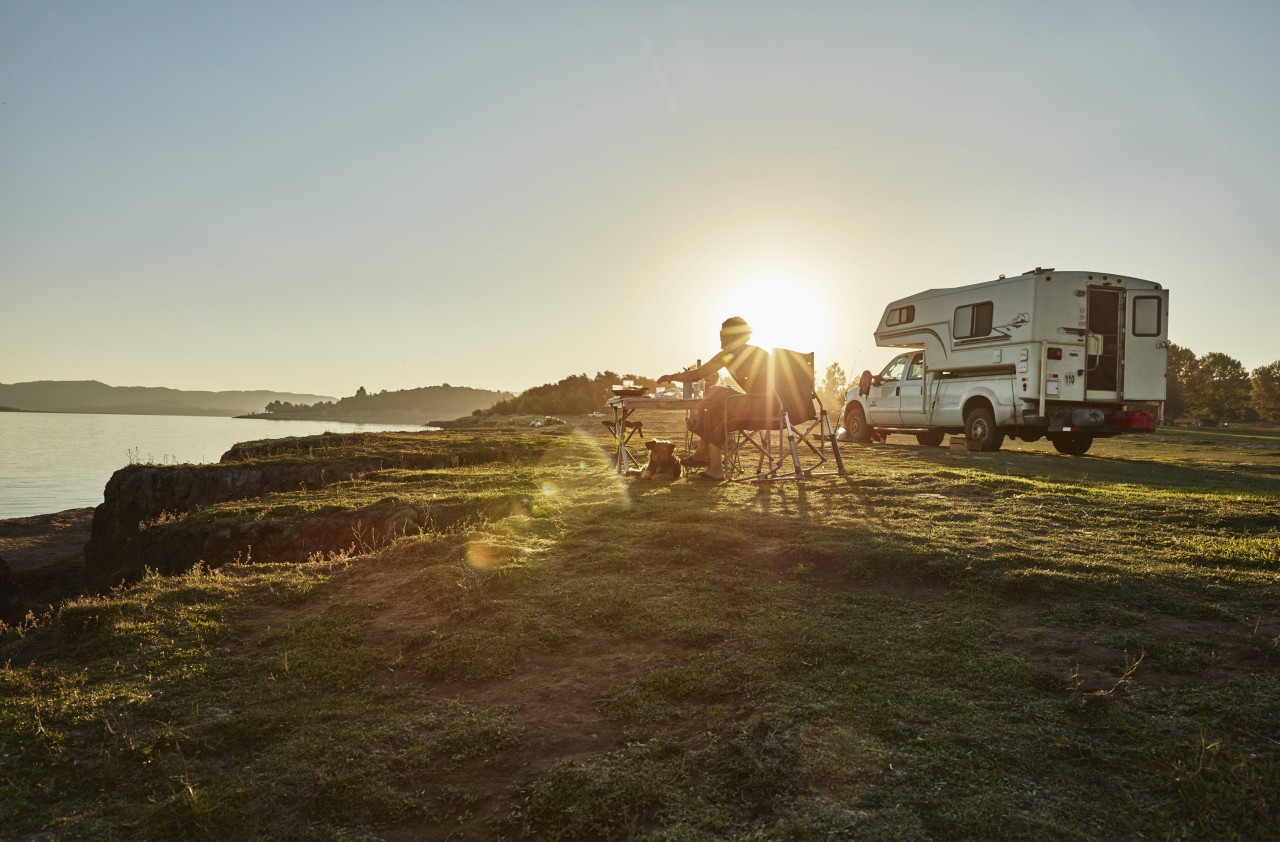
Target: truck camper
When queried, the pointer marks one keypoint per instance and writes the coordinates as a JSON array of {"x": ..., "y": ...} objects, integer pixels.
[{"x": 1068, "y": 356}]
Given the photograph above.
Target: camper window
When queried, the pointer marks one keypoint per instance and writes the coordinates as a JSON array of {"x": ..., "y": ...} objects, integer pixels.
[
  {"x": 901, "y": 316},
  {"x": 972, "y": 320},
  {"x": 1146, "y": 315}
]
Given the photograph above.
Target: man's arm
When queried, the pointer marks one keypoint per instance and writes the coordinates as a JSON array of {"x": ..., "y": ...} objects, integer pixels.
[{"x": 691, "y": 375}]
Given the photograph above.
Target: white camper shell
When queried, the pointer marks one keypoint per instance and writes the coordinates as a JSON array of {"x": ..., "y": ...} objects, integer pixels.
[{"x": 1071, "y": 356}]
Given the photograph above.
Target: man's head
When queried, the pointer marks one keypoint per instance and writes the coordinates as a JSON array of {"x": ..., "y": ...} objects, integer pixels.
[{"x": 734, "y": 332}]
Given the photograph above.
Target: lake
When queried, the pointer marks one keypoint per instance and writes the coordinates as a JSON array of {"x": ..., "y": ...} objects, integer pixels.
[{"x": 55, "y": 461}]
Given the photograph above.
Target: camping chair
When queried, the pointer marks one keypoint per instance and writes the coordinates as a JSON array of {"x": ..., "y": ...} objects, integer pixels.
[{"x": 774, "y": 426}]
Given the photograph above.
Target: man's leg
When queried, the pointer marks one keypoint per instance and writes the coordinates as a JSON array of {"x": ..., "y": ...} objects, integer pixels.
[
  {"x": 715, "y": 461},
  {"x": 705, "y": 419},
  {"x": 711, "y": 447}
]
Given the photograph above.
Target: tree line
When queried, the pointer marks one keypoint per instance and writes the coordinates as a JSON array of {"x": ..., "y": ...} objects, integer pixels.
[
  {"x": 576, "y": 394},
  {"x": 1217, "y": 387},
  {"x": 1214, "y": 388}
]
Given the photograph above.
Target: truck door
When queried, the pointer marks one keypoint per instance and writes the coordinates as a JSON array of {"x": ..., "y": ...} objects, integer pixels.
[
  {"x": 912, "y": 392},
  {"x": 1146, "y": 345},
  {"x": 1102, "y": 369},
  {"x": 885, "y": 401}
]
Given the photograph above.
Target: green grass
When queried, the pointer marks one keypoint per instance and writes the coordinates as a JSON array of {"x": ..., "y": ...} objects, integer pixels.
[{"x": 941, "y": 645}]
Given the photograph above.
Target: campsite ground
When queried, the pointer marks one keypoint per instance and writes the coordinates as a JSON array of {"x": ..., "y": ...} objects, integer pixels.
[{"x": 941, "y": 645}]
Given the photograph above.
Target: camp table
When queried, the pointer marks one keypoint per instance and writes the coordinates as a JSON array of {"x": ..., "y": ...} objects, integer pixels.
[{"x": 624, "y": 407}]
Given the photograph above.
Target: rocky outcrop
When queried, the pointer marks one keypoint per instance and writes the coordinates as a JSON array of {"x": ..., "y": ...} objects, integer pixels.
[
  {"x": 176, "y": 546},
  {"x": 140, "y": 494},
  {"x": 44, "y": 557},
  {"x": 144, "y": 520}
]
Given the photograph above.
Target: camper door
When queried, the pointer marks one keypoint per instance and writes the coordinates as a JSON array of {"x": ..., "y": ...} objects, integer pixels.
[{"x": 1146, "y": 344}]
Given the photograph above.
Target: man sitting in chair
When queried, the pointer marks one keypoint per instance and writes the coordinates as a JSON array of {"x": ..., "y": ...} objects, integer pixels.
[{"x": 748, "y": 365}]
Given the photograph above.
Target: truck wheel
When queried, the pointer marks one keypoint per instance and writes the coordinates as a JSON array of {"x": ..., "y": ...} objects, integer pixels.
[
  {"x": 980, "y": 426},
  {"x": 1073, "y": 444},
  {"x": 855, "y": 424},
  {"x": 931, "y": 438}
]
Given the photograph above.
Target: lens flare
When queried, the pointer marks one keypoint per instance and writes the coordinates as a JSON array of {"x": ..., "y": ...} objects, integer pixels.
[
  {"x": 485, "y": 554},
  {"x": 584, "y": 472}
]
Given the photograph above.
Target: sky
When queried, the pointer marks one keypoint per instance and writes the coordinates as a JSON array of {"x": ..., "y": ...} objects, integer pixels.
[{"x": 317, "y": 196}]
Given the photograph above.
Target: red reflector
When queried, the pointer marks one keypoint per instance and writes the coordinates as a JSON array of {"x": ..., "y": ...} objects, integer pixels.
[{"x": 1055, "y": 353}]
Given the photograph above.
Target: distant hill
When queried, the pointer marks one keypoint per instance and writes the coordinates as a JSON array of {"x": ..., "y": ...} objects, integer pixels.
[
  {"x": 93, "y": 396},
  {"x": 406, "y": 406}
]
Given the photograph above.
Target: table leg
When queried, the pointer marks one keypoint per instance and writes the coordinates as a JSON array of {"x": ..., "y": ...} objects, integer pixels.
[{"x": 619, "y": 417}]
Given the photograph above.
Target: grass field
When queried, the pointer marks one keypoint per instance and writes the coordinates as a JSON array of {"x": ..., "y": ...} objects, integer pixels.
[{"x": 941, "y": 645}]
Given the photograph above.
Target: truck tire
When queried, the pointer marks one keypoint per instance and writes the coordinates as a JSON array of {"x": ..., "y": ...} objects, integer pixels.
[
  {"x": 1072, "y": 444},
  {"x": 980, "y": 426},
  {"x": 856, "y": 427},
  {"x": 931, "y": 438}
]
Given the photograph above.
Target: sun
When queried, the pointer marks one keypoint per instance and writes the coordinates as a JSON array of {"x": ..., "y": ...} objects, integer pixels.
[{"x": 783, "y": 311}]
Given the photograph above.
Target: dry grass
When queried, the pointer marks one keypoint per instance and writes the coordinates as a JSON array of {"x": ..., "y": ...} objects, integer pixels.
[{"x": 941, "y": 645}]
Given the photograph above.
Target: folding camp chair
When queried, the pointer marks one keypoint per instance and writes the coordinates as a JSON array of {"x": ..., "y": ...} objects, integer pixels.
[{"x": 774, "y": 426}]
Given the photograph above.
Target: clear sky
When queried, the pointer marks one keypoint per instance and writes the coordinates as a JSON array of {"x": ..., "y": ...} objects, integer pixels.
[{"x": 316, "y": 196}]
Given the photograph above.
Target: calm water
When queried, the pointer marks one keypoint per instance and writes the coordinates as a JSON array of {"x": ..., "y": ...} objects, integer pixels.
[{"x": 55, "y": 461}]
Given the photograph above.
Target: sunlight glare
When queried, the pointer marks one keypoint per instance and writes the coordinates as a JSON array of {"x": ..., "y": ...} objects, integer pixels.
[{"x": 783, "y": 312}]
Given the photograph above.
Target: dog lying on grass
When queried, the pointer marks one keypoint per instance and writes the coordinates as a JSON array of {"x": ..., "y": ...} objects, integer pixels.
[{"x": 663, "y": 462}]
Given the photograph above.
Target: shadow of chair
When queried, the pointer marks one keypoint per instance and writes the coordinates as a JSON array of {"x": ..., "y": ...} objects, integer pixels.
[{"x": 785, "y": 423}]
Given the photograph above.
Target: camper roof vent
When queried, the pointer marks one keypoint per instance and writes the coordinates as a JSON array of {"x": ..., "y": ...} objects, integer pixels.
[{"x": 1038, "y": 271}]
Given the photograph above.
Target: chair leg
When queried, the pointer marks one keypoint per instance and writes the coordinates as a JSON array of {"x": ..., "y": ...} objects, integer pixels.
[
  {"x": 835, "y": 445},
  {"x": 791, "y": 441}
]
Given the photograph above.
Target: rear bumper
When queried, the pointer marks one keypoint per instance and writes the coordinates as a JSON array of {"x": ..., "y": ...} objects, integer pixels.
[{"x": 1112, "y": 424}]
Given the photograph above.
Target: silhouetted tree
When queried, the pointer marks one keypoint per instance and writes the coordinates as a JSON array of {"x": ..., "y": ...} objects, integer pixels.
[
  {"x": 1181, "y": 368},
  {"x": 833, "y": 388},
  {"x": 1220, "y": 387},
  {"x": 576, "y": 394},
  {"x": 1266, "y": 391}
]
